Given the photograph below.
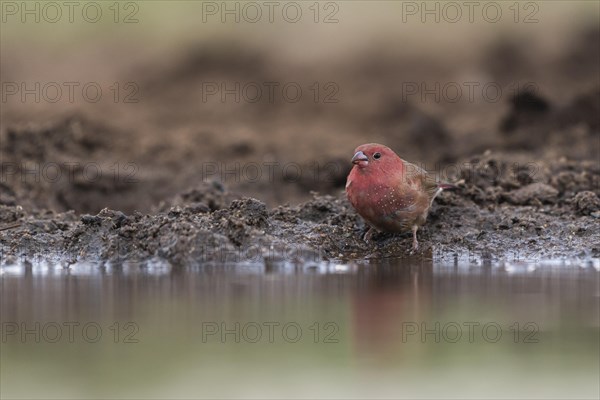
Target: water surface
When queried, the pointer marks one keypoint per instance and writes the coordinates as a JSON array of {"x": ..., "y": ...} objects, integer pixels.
[{"x": 391, "y": 329}]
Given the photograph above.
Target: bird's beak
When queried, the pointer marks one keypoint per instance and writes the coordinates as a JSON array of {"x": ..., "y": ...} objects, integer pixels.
[{"x": 359, "y": 157}]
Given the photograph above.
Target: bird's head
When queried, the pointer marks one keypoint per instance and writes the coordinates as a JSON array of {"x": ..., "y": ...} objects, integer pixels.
[{"x": 373, "y": 156}]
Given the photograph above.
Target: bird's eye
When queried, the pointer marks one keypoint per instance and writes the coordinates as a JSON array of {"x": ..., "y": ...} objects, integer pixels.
[{"x": 377, "y": 156}]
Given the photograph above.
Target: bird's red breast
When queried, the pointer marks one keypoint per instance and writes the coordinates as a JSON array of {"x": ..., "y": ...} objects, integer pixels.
[{"x": 388, "y": 192}]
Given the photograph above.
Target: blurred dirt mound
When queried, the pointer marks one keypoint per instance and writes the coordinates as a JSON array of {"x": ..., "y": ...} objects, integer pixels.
[
  {"x": 527, "y": 108},
  {"x": 536, "y": 125},
  {"x": 43, "y": 166},
  {"x": 581, "y": 59},
  {"x": 75, "y": 164},
  {"x": 585, "y": 110},
  {"x": 206, "y": 197}
]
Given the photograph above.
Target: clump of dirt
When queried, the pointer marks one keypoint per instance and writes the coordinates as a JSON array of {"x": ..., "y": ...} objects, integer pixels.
[
  {"x": 206, "y": 197},
  {"x": 587, "y": 203},
  {"x": 527, "y": 108}
]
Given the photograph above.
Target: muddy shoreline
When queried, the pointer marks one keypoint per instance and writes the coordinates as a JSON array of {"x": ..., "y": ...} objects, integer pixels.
[{"x": 497, "y": 213}]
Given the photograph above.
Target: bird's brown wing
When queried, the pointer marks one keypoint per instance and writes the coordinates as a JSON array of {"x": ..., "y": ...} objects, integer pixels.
[{"x": 416, "y": 175}]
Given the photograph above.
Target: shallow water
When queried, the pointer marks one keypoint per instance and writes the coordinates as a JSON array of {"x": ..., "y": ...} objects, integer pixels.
[{"x": 392, "y": 329}]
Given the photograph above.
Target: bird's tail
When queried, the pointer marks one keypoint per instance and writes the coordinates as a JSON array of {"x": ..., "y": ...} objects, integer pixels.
[{"x": 447, "y": 186}]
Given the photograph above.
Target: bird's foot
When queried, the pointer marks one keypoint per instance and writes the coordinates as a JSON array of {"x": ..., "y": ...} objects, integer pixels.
[
  {"x": 369, "y": 235},
  {"x": 415, "y": 247},
  {"x": 415, "y": 243}
]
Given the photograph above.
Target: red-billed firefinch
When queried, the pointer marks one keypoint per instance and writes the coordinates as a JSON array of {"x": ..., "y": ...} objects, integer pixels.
[{"x": 392, "y": 195}]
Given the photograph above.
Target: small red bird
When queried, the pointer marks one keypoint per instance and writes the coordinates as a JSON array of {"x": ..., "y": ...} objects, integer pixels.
[{"x": 392, "y": 195}]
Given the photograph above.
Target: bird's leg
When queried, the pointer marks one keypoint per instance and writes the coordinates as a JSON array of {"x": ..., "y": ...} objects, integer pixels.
[
  {"x": 415, "y": 244},
  {"x": 369, "y": 234}
]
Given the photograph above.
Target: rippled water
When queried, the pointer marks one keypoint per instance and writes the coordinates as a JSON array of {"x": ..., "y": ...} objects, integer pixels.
[{"x": 395, "y": 329}]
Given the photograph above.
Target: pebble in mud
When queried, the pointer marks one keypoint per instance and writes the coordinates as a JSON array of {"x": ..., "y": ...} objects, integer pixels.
[
  {"x": 586, "y": 203},
  {"x": 9, "y": 213}
]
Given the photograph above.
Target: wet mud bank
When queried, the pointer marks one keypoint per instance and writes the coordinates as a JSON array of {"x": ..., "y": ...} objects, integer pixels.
[{"x": 500, "y": 211}]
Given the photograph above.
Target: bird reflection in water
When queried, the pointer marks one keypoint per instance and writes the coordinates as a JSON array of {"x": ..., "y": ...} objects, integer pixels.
[{"x": 390, "y": 292}]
